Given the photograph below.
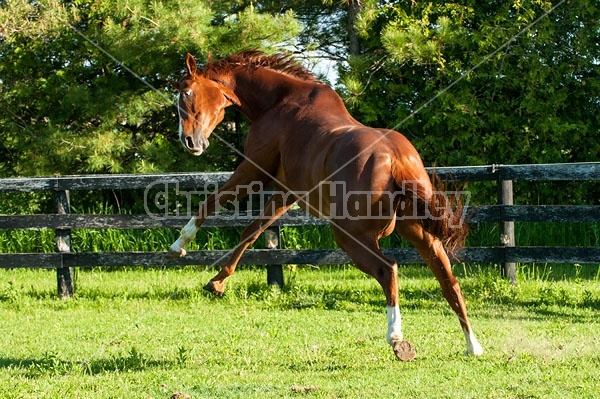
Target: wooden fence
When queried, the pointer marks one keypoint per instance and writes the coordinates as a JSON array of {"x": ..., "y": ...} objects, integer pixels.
[{"x": 504, "y": 212}]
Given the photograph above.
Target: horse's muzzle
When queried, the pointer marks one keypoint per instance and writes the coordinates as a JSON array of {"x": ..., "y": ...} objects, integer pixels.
[{"x": 195, "y": 145}]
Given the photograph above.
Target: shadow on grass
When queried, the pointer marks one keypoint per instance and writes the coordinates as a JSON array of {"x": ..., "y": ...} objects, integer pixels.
[
  {"x": 52, "y": 364},
  {"x": 124, "y": 364},
  {"x": 345, "y": 288}
]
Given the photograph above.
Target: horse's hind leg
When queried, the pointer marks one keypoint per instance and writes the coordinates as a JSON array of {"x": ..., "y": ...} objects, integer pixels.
[
  {"x": 364, "y": 250},
  {"x": 432, "y": 251},
  {"x": 278, "y": 204}
]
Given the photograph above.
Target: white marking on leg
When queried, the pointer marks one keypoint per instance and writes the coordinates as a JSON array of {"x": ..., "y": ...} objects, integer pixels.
[
  {"x": 473, "y": 346},
  {"x": 188, "y": 233},
  {"x": 394, "y": 325}
]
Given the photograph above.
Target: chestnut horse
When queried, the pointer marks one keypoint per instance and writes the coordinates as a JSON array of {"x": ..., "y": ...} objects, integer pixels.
[{"x": 303, "y": 142}]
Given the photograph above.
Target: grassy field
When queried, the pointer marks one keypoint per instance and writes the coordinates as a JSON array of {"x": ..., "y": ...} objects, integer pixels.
[
  {"x": 132, "y": 333},
  {"x": 156, "y": 334}
]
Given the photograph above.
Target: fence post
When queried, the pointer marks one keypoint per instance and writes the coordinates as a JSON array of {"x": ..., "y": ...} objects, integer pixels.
[
  {"x": 507, "y": 228},
  {"x": 272, "y": 241},
  {"x": 64, "y": 275}
]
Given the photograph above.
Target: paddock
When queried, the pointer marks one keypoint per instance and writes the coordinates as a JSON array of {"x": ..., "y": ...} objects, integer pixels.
[{"x": 153, "y": 332}]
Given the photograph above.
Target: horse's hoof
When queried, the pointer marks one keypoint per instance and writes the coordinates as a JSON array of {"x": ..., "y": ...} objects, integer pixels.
[
  {"x": 404, "y": 350},
  {"x": 475, "y": 352},
  {"x": 215, "y": 288},
  {"x": 174, "y": 254}
]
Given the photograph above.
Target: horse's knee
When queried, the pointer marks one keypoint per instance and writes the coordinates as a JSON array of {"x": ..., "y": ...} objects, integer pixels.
[{"x": 387, "y": 273}]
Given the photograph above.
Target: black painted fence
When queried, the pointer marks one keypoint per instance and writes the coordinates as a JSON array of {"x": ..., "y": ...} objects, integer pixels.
[{"x": 505, "y": 213}]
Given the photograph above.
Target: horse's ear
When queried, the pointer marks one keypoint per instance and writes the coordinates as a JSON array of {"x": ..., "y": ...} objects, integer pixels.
[
  {"x": 230, "y": 96},
  {"x": 209, "y": 59},
  {"x": 190, "y": 64}
]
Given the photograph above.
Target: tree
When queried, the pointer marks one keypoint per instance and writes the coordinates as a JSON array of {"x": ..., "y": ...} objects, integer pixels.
[
  {"x": 483, "y": 82},
  {"x": 85, "y": 84},
  {"x": 468, "y": 82},
  {"x": 474, "y": 83}
]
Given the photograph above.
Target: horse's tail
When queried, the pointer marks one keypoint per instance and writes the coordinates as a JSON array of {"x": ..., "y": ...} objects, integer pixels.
[
  {"x": 446, "y": 216},
  {"x": 441, "y": 214}
]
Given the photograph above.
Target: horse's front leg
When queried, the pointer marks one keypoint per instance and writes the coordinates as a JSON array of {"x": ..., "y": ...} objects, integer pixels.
[
  {"x": 237, "y": 187},
  {"x": 278, "y": 204},
  {"x": 188, "y": 233}
]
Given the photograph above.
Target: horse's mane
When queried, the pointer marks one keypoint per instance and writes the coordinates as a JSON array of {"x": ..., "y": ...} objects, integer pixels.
[{"x": 255, "y": 59}]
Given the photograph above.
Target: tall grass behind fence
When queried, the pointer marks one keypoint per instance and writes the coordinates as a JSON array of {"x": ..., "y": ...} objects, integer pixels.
[{"x": 302, "y": 237}]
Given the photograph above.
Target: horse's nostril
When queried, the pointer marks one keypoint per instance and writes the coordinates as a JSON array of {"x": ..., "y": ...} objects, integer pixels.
[{"x": 189, "y": 142}]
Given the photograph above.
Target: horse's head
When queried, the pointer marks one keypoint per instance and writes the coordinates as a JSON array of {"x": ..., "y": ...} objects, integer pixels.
[{"x": 201, "y": 107}]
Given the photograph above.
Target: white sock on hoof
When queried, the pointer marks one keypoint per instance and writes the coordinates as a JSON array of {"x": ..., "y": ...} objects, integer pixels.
[
  {"x": 187, "y": 234},
  {"x": 394, "y": 325},
  {"x": 473, "y": 346}
]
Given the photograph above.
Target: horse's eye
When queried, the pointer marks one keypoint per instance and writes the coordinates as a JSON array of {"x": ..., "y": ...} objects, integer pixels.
[{"x": 187, "y": 92}]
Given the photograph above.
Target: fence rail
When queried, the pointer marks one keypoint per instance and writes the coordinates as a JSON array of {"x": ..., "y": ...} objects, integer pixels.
[
  {"x": 485, "y": 213},
  {"x": 505, "y": 213},
  {"x": 549, "y": 172},
  {"x": 291, "y": 256}
]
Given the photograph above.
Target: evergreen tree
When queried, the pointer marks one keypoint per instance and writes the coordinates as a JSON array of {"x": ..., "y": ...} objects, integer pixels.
[
  {"x": 468, "y": 82},
  {"x": 481, "y": 82},
  {"x": 85, "y": 84}
]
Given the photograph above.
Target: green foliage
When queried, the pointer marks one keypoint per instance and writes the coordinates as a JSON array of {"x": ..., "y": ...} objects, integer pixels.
[
  {"x": 85, "y": 85},
  {"x": 503, "y": 91}
]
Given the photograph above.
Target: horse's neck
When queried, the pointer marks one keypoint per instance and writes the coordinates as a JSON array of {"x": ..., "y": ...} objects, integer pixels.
[{"x": 260, "y": 90}]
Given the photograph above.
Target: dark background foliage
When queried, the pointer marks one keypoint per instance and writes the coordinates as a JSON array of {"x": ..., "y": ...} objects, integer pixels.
[{"x": 85, "y": 85}]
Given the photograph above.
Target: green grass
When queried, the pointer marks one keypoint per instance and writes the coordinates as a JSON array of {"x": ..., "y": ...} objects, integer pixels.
[
  {"x": 152, "y": 333},
  {"x": 134, "y": 333}
]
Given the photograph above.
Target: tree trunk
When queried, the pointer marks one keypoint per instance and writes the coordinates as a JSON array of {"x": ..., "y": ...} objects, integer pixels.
[{"x": 353, "y": 11}]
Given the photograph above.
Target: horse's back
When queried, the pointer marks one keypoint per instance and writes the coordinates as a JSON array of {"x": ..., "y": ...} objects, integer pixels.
[
  {"x": 321, "y": 141},
  {"x": 357, "y": 147}
]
